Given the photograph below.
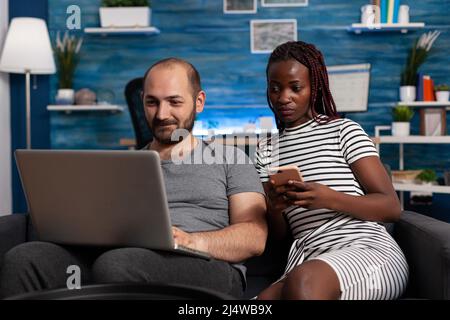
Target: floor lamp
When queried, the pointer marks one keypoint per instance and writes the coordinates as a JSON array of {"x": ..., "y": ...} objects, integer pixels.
[{"x": 27, "y": 50}]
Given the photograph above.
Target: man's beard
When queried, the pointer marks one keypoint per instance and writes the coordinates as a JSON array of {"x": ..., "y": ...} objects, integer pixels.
[{"x": 163, "y": 134}]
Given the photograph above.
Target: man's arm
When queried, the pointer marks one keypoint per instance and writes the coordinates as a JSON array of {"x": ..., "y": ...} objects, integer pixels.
[{"x": 243, "y": 238}]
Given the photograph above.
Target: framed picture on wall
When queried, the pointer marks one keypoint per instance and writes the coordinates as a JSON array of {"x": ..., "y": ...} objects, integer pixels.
[
  {"x": 239, "y": 6},
  {"x": 265, "y": 35},
  {"x": 284, "y": 3}
]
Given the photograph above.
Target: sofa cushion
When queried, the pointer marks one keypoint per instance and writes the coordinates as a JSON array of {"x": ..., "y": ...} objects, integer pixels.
[{"x": 426, "y": 244}]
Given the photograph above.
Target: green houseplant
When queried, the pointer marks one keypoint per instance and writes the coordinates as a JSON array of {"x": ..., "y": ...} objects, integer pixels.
[
  {"x": 125, "y": 13},
  {"x": 442, "y": 92},
  {"x": 416, "y": 57},
  {"x": 401, "y": 116},
  {"x": 66, "y": 52},
  {"x": 427, "y": 176}
]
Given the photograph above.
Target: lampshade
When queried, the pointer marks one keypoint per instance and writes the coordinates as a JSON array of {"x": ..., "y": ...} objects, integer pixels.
[{"x": 27, "y": 48}]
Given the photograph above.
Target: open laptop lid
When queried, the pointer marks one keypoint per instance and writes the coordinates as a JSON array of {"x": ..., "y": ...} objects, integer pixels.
[{"x": 106, "y": 198}]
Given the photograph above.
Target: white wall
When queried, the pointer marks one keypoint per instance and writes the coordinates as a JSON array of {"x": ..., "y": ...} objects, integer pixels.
[{"x": 5, "y": 124}]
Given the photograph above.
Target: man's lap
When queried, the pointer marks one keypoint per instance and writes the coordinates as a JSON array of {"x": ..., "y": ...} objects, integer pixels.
[{"x": 100, "y": 265}]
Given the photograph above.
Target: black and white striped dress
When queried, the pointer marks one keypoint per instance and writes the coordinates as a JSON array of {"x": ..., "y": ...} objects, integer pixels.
[{"x": 366, "y": 259}]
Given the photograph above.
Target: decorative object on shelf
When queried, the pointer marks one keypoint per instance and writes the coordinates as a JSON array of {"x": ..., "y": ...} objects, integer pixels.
[
  {"x": 403, "y": 14},
  {"x": 402, "y": 115},
  {"x": 85, "y": 97},
  {"x": 67, "y": 52},
  {"x": 370, "y": 14},
  {"x": 416, "y": 57},
  {"x": 125, "y": 13},
  {"x": 442, "y": 92},
  {"x": 404, "y": 176},
  {"x": 433, "y": 121},
  {"x": 447, "y": 178},
  {"x": 27, "y": 49},
  {"x": 427, "y": 178},
  {"x": 105, "y": 96},
  {"x": 407, "y": 93},
  {"x": 65, "y": 96},
  {"x": 385, "y": 15}
]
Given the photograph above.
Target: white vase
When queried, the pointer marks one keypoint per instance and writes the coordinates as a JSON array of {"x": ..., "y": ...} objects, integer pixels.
[
  {"x": 400, "y": 129},
  {"x": 65, "y": 96},
  {"x": 442, "y": 96},
  {"x": 403, "y": 14},
  {"x": 125, "y": 17},
  {"x": 407, "y": 93}
]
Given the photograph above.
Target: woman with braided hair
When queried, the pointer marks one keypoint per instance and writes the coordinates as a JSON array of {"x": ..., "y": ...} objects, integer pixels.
[{"x": 340, "y": 248}]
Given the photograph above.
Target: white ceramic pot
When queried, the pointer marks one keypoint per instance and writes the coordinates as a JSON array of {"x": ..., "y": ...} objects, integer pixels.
[
  {"x": 368, "y": 14},
  {"x": 407, "y": 93},
  {"x": 403, "y": 14},
  {"x": 400, "y": 129},
  {"x": 442, "y": 96},
  {"x": 125, "y": 17},
  {"x": 65, "y": 96}
]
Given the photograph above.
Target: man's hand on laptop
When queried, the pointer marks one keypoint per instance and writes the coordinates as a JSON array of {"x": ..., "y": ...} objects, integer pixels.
[{"x": 190, "y": 240}]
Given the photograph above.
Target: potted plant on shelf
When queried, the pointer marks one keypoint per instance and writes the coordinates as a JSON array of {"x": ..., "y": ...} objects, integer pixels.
[
  {"x": 416, "y": 57},
  {"x": 427, "y": 176},
  {"x": 442, "y": 92},
  {"x": 402, "y": 115},
  {"x": 66, "y": 52},
  {"x": 125, "y": 13}
]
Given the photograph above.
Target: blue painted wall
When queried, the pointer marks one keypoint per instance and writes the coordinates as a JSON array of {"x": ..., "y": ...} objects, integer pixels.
[
  {"x": 219, "y": 46},
  {"x": 40, "y": 120}
]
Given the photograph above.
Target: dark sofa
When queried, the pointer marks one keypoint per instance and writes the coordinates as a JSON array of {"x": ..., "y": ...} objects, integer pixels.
[{"x": 424, "y": 240}]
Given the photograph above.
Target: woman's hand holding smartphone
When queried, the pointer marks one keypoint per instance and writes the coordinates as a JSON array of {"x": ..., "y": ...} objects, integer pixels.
[
  {"x": 282, "y": 175},
  {"x": 278, "y": 186}
]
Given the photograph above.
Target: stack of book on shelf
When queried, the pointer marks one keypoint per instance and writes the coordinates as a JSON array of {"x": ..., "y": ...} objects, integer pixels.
[
  {"x": 388, "y": 11},
  {"x": 433, "y": 121},
  {"x": 425, "y": 88}
]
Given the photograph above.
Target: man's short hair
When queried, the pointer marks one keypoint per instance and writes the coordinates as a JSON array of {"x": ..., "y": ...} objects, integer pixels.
[{"x": 192, "y": 73}]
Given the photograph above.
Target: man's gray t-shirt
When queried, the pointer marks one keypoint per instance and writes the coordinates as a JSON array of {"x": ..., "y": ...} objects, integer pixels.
[{"x": 199, "y": 184}]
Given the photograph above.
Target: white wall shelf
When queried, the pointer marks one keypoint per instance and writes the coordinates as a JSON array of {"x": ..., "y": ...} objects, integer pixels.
[
  {"x": 359, "y": 28},
  {"x": 85, "y": 108},
  {"x": 122, "y": 31},
  {"x": 420, "y": 188},
  {"x": 401, "y": 187},
  {"x": 412, "y": 139},
  {"x": 426, "y": 104}
]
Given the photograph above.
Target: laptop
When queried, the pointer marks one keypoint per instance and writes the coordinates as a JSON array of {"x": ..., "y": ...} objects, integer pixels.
[{"x": 98, "y": 198}]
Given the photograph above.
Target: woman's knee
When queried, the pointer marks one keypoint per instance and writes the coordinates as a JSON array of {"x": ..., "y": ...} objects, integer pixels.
[{"x": 312, "y": 280}]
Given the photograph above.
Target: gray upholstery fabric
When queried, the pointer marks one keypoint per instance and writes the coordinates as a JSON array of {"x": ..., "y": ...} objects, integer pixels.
[
  {"x": 13, "y": 230},
  {"x": 426, "y": 244}
]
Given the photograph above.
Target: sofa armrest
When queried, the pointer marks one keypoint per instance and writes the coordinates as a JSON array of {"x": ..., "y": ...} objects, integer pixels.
[
  {"x": 13, "y": 231},
  {"x": 425, "y": 242}
]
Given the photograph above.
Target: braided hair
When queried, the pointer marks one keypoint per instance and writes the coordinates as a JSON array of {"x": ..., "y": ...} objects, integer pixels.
[{"x": 321, "y": 100}]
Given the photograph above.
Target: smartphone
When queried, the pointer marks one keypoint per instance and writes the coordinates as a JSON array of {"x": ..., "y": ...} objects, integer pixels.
[{"x": 281, "y": 175}]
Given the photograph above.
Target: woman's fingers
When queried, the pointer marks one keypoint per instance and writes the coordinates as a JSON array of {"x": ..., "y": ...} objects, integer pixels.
[
  {"x": 294, "y": 195},
  {"x": 298, "y": 185}
]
